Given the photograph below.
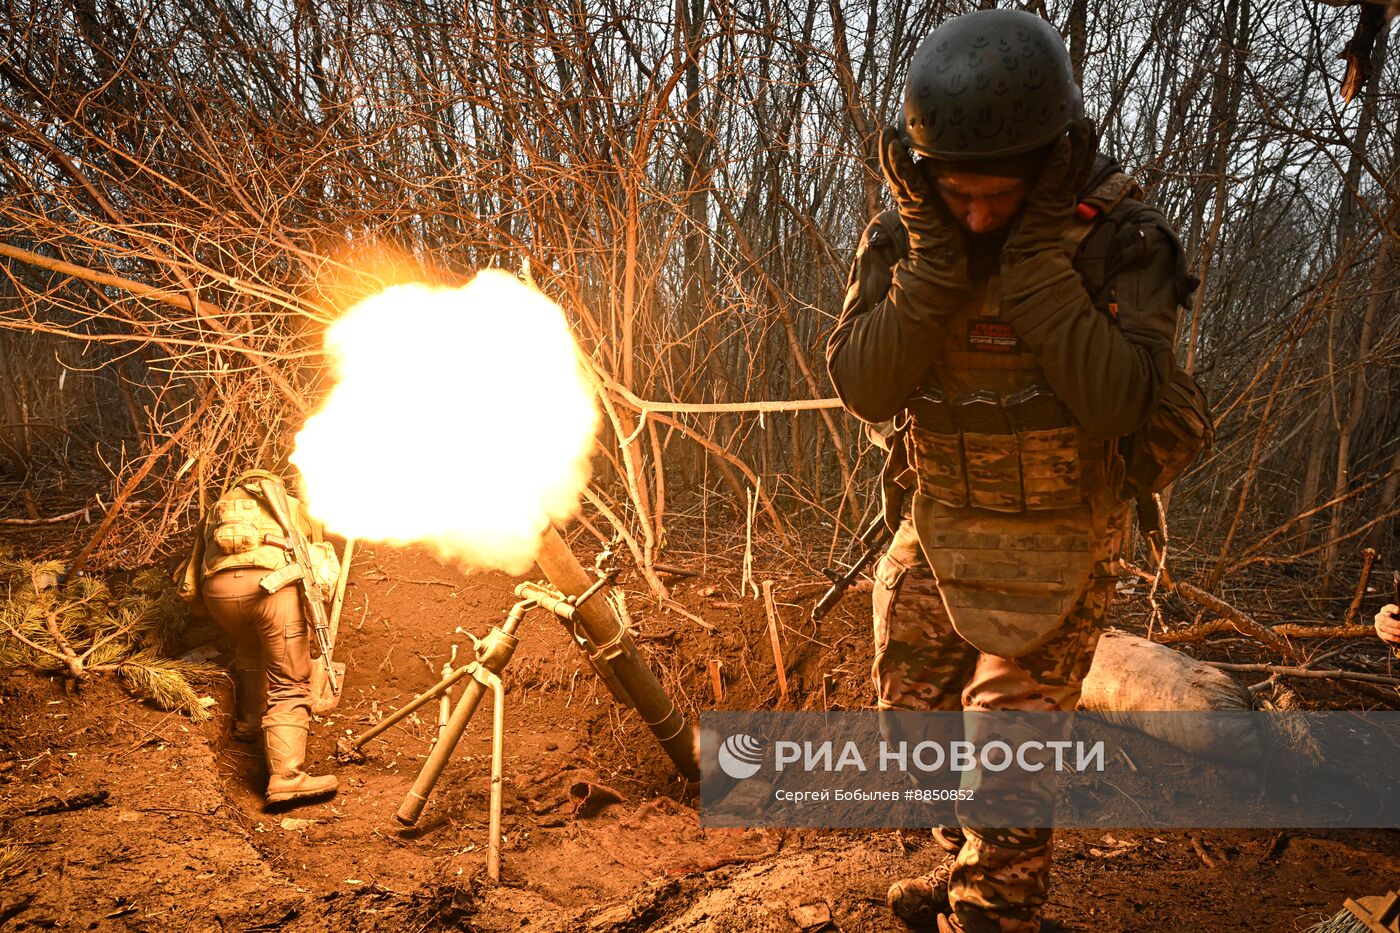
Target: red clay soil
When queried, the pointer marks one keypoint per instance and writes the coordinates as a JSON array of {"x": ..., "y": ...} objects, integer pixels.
[{"x": 173, "y": 834}]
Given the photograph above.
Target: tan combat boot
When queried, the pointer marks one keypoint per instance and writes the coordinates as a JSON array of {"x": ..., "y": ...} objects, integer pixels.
[
  {"x": 919, "y": 902},
  {"x": 249, "y": 703},
  {"x": 286, "y": 754}
]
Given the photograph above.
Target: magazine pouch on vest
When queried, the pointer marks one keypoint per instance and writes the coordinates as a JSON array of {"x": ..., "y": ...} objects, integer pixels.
[{"x": 240, "y": 525}]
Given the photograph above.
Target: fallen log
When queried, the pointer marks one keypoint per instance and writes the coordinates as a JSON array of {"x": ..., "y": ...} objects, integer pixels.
[{"x": 1195, "y": 633}]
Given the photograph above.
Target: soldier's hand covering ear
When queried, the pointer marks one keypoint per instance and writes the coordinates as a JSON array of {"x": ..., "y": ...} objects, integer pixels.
[
  {"x": 937, "y": 248},
  {"x": 1050, "y": 205}
]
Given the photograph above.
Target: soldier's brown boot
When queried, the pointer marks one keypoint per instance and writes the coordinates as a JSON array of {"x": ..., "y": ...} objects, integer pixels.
[
  {"x": 920, "y": 901},
  {"x": 249, "y": 703},
  {"x": 286, "y": 756}
]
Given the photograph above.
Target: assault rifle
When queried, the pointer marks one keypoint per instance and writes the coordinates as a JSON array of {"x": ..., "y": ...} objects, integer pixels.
[
  {"x": 874, "y": 538},
  {"x": 313, "y": 596}
]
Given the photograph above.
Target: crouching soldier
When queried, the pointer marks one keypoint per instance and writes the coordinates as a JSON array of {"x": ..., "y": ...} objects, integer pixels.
[{"x": 249, "y": 585}]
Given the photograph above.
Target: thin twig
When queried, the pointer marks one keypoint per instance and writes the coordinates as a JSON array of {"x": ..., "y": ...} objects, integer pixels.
[
  {"x": 1159, "y": 575},
  {"x": 1324, "y": 674},
  {"x": 52, "y": 520},
  {"x": 39, "y": 648},
  {"x": 676, "y": 607},
  {"x": 75, "y": 566}
]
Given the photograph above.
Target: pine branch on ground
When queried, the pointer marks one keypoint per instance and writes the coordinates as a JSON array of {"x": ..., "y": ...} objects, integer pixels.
[
  {"x": 87, "y": 626},
  {"x": 13, "y": 859}
]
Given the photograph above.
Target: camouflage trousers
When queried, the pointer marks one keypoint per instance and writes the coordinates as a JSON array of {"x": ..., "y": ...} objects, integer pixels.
[{"x": 1000, "y": 877}]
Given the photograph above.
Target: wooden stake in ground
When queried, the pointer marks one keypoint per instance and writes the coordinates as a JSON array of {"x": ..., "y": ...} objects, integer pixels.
[
  {"x": 340, "y": 582},
  {"x": 323, "y": 698},
  {"x": 746, "y": 580},
  {"x": 1368, "y": 557},
  {"x": 771, "y": 607},
  {"x": 717, "y": 680}
]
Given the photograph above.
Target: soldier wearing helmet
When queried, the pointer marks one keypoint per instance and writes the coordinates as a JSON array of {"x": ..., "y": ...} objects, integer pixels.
[
  {"x": 1014, "y": 316},
  {"x": 241, "y": 563}
]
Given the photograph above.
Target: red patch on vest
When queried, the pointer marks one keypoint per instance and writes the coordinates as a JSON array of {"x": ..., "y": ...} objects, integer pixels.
[{"x": 996, "y": 336}]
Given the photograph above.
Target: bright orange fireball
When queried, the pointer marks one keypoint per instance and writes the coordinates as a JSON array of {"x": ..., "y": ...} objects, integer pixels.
[{"x": 460, "y": 418}]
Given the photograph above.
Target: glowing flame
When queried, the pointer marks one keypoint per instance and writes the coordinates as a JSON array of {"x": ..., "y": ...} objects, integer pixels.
[{"x": 460, "y": 418}]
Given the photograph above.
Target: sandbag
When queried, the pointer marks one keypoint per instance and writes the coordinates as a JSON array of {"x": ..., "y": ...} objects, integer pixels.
[{"x": 1132, "y": 676}]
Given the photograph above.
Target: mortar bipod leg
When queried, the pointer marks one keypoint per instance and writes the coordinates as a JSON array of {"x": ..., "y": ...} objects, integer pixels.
[
  {"x": 498, "y": 745},
  {"x": 493, "y": 654},
  {"x": 441, "y": 687}
]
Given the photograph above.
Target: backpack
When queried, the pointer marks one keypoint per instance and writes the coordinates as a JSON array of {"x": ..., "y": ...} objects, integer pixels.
[
  {"x": 239, "y": 531},
  {"x": 1179, "y": 428}
]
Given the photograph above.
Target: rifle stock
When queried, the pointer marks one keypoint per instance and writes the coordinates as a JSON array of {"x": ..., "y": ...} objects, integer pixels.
[{"x": 874, "y": 538}]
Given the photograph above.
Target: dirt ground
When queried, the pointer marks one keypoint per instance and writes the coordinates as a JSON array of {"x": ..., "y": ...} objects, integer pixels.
[{"x": 174, "y": 835}]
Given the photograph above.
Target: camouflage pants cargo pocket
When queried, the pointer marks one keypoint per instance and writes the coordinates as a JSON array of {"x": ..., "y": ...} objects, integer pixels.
[
  {"x": 269, "y": 632},
  {"x": 921, "y": 663},
  {"x": 1061, "y": 664}
]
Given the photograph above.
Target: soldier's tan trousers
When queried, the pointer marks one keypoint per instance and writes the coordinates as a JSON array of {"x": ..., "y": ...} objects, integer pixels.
[
  {"x": 269, "y": 633},
  {"x": 1000, "y": 877}
]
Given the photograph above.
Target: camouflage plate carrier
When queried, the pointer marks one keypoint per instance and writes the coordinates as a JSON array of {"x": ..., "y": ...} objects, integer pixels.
[{"x": 1017, "y": 509}]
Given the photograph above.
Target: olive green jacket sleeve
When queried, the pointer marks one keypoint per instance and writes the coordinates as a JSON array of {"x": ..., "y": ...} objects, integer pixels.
[
  {"x": 891, "y": 324},
  {"x": 1109, "y": 376}
]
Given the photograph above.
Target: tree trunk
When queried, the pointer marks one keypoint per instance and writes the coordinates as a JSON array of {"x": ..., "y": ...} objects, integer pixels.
[{"x": 1356, "y": 383}]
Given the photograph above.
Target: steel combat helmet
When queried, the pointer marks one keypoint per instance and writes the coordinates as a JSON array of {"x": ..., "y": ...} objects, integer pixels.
[{"x": 988, "y": 85}]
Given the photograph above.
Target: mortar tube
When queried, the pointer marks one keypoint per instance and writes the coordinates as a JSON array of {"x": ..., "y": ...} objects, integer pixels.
[{"x": 632, "y": 678}]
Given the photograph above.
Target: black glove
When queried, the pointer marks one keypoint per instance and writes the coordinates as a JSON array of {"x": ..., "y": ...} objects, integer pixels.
[
  {"x": 1049, "y": 207},
  {"x": 938, "y": 251}
]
